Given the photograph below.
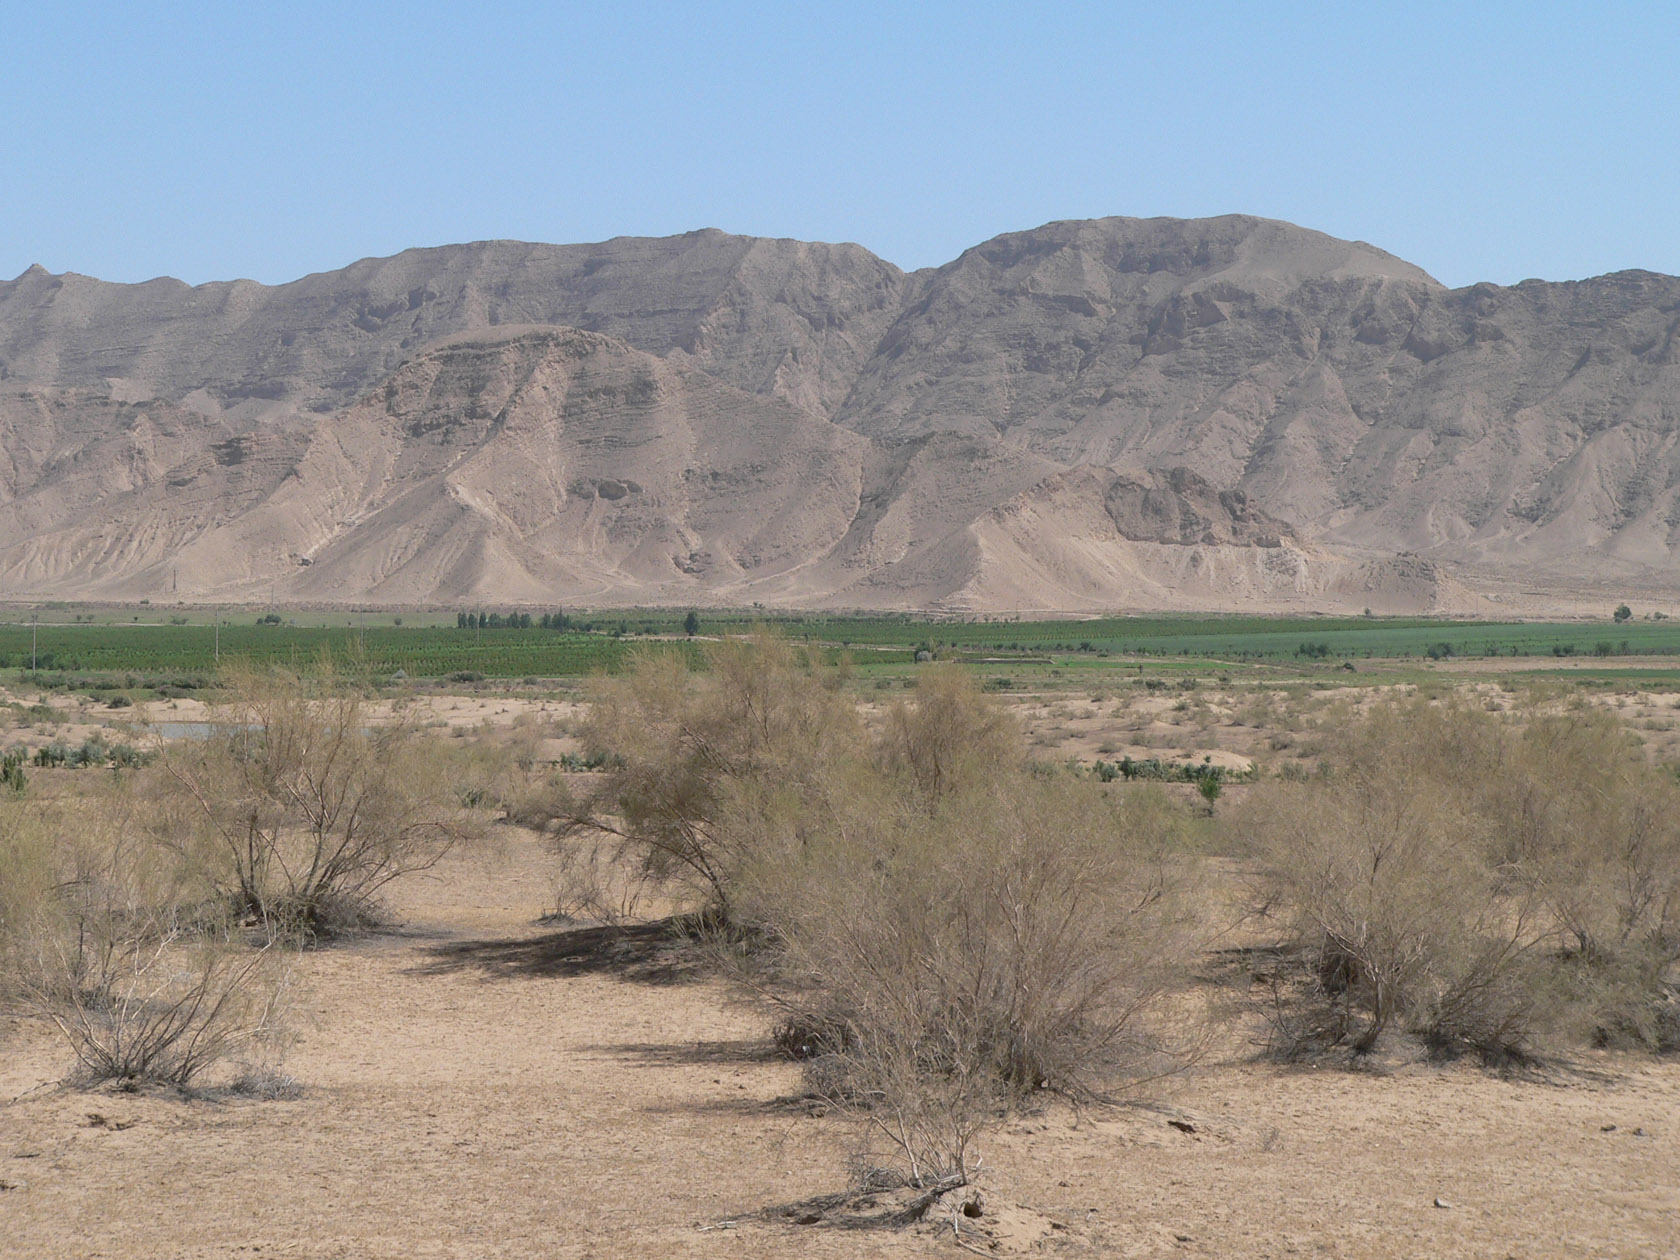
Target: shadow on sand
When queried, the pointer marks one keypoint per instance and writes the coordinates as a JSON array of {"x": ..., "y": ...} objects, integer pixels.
[{"x": 652, "y": 953}]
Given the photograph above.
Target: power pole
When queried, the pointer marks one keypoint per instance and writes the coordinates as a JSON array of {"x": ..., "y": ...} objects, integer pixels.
[
  {"x": 218, "y": 636},
  {"x": 34, "y": 630}
]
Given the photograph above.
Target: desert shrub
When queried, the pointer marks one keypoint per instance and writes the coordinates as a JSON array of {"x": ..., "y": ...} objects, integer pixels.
[
  {"x": 940, "y": 965},
  {"x": 494, "y": 768},
  {"x": 1479, "y": 882},
  {"x": 1628, "y": 1000},
  {"x": 582, "y": 763},
  {"x": 1400, "y": 919},
  {"x": 128, "y": 757},
  {"x": 1596, "y": 832},
  {"x": 117, "y": 948},
  {"x": 298, "y": 810},
  {"x": 27, "y": 879},
  {"x": 1388, "y": 871},
  {"x": 590, "y": 883},
  {"x": 951, "y": 736},
  {"x": 153, "y": 1000},
  {"x": 546, "y": 799},
  {"x": 696, "y": 764},
  {"x": 939, "y": 932}
]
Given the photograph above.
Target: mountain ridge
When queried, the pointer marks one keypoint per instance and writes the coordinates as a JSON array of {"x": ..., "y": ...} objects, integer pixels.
[{"x": 972, "y": 422}]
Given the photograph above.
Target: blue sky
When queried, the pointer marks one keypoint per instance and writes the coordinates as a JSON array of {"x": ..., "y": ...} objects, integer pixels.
[{"x": 1482, "y": 142}]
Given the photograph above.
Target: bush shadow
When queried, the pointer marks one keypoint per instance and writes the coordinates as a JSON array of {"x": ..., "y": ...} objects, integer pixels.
[
  {"x": 649, "y": 953},
  {"x": 723, "y": 1053}
]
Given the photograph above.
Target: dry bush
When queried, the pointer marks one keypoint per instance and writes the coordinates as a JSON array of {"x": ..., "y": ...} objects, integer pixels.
[
  {"x": 156, "y": 1001},
  {"x": 940, "y": 932},
  {"x": 1388, "y": 869},
  {"x": 764, "y": 730},
  {"x": 1478, "y": 881},
  {"x": 27, "y": 880},
  {"x": 540, "y": 802},
  {"x": 492, "y": 767},
  {"x": 952, "y": 736},
  {"x": 298, "y": 810},
  {"x": 945, "y": 963},
  {"x": 1597, "y": 832},
  {"x": 1265, "y": 710},
  {"x": 500, "y": 767},
  {"x": 146, "y": 981},
  {"x": 1401, "y": 919},
  {"x": 590, "y": 882}
]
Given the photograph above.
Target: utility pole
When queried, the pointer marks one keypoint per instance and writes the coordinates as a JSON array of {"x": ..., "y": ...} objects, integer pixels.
[
  {"x": 218, "y": 636},
  {"x": 34, "y": 630}
]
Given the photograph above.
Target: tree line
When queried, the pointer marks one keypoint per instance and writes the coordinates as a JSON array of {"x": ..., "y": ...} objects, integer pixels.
[{"x": 514, "y": 621}]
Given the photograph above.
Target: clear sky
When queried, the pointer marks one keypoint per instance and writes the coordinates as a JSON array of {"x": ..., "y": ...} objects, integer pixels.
[{"x": 208, "y": 141}]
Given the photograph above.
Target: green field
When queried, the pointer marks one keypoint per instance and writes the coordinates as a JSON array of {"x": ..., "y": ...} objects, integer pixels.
[
  {"x": 421, "y": 651},
  {"x": 1269, "y": 638},
  {"x": 434, "y": 650}
]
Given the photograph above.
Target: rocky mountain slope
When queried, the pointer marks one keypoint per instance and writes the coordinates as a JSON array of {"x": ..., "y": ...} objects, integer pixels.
[{"x": 1105, "y": 414}]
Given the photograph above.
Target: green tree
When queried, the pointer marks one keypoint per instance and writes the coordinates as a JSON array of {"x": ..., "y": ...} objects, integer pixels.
[
  {"x": 1623, "y": 613},
  {"x": 691, "y": 624}
]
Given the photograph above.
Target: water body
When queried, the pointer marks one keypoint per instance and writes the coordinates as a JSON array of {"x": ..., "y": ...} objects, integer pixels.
[
  {"x": 191, "y": 730},
  {"x": 182, "y": 730}
]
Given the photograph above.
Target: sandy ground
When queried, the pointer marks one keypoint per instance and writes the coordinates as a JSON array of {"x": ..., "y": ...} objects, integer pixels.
[
  {"x": 1237, "y": 727},
  {"x": 477, "y": 1084}
]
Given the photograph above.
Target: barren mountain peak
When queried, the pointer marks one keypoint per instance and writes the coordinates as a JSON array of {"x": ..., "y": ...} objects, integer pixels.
[
  {"x": 1099, "y": 413},
  {"x": 1232, "y": 246}
]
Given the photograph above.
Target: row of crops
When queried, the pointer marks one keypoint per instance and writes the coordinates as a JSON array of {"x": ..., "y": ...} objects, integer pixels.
[
  {"x": 1222, "y": 637},
  {"x": 435, "y": 651},
  {"x": 418, "y": 651}
]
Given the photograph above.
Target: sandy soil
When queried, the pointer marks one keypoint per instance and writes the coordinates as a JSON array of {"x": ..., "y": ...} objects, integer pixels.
[
  {"x": 1237, "y": 727},
  {"x": 477, "y": 1084}
]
